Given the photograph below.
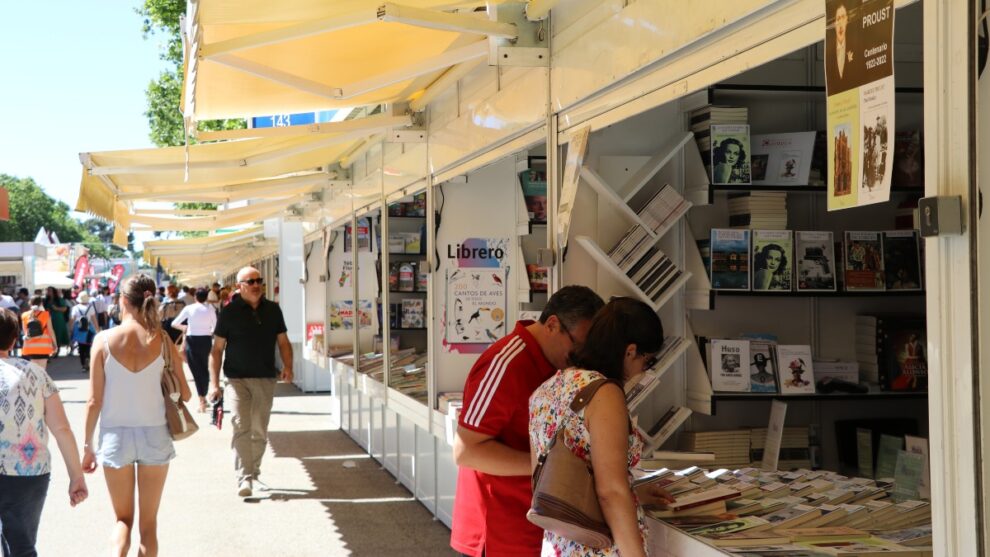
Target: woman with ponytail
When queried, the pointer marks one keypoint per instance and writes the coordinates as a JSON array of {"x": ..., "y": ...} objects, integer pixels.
[{"x": 134, "y": 445}]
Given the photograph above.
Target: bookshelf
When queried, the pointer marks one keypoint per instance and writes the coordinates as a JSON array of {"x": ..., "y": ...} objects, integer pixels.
[
  {"x": 656, "y": 373},
  {"x": 812, "y": 294}
]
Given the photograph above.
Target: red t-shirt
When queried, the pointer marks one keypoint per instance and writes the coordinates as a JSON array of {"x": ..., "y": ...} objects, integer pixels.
[{"x": 490, "y": 511}]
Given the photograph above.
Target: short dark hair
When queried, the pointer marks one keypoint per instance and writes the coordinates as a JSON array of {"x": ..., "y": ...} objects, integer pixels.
[
  {"x": 201, "y": 295},
  {"x": 572, "y": 304},
  {"x": 23, "y": 291},
  {"x": 623, "y": 321},
  {"x": 9, "y": 329},
  {"x": 37, "y": 300}
]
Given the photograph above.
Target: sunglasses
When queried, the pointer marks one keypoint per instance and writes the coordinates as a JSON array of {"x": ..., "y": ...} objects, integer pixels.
[{"x": 251, "y": 282}]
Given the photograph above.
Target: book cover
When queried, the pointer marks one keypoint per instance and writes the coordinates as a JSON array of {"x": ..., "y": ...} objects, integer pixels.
[
  {"x": 773, "y": 255},
  {"x": 782, "y": 159},
  {"x": 412, "y": 313},
  {"x": 909, "y": 167},
  {"x": 862, "y": 548},
  {"x": 762, "y": 367},
  {"x": 796, "y": 375},
  {"x": 902, "y": 260},
  {"x": 730, "y": 154},
  {"x": 730, "y": 259},
  {"x": 890, "y": 446},
  {"x": 908, "y": 474},
  {"x": 815, "y": 256},
  {"x": 864, "y": 261},
  {"x": 903, "y": 354},
  {"x": 919, "y": 446},
  {"x": 729, "y": 373},
  {"x": 534, "y": 188},
  {"x": 729, "y": 526}
]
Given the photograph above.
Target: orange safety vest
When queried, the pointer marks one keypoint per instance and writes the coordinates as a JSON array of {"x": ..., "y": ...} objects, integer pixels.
[{"x": 37, "y": 346}]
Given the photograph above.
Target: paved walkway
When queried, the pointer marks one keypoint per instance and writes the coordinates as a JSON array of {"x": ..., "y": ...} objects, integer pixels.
[{"x": 327, "y": 498}]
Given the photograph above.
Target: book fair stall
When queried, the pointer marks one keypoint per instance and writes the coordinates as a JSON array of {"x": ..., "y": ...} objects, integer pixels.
[{"x": 787, "y": 184}]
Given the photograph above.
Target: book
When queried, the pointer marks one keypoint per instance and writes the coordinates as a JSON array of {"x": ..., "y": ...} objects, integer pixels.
[
  {"x": 413, "y": 313},
  {"x": 863, "y": 548},
  {"x": 796, "y": 374},
  {"x": 911, "y": 537},
  {"x": 907, "y": 475},
  {"x": 792, "y": 517},
  {"x": 887, "y": 452},
  {"x": 782, "y": 159},
  {"x": 729, "y": 526},
  {"x": 909, "y": 168},
  {"x": 891, "y": 351},
  {"x": 815, "y": 257},
  {"x": 919, "y": 446},
  {"x": 902, "y": 260},
  {"x": 772, "y": 256},
  {"x": 729, "y": 371},
  {"x": 864, "y": 261},
  {"x": 748, "y": 539},
  {"x": 534, "y": 188},
  {"x": 701, "y": 498},
  {"x": 864, "y": 452},
  {"x": 730, "y": 259},
  {"x": 762, "y": 367},
  {"x": 730, "y": 153},
  {"x": 835, "y": 533},
  {"x": 668, "y": 424}
]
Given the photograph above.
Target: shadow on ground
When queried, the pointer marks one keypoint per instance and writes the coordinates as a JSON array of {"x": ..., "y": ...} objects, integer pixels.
[{"x": 371, "y": 512}]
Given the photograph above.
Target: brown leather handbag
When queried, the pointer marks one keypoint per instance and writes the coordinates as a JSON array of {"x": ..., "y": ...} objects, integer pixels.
[
  {"x": 180, "y": 420},
  {"x": 564, "y": 497}
]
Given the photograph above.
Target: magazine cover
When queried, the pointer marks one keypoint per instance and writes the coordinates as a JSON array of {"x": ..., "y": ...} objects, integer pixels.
[
  {"x": 773, "y": 255},
  {"x": 762, "y": 367},
  {"x": 729, "y": 371},
  {"x": 782, "y": 159},
  {"x": 815, "y": 257},
  {"x": 864, "y": 261},
  {"x": 730, "y": 259},
  {"x": 795, "y": 369},
  {"x": 902, "y": 260},
  {"x": 730, "y": 154}
]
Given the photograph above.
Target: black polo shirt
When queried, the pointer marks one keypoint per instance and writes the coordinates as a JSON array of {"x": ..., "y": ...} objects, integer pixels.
[{"x": 251, "y": 335}]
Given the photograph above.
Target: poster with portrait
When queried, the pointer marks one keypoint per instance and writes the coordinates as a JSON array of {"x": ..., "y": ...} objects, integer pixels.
[
  {"x": 859, "y": 79},
  {"x": 773, "y": 260},
  {"x": 476, "y": 304}
]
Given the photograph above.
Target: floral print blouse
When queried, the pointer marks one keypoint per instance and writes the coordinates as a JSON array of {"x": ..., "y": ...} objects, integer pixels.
[
  {"x": 23, "y": 434},
  {"x": 549, "y": 409}
]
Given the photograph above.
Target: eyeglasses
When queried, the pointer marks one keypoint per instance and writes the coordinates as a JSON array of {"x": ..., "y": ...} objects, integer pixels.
[
  {"x": 251, "y": 282},
  {"x": 567, "y": 332},
  {"x": 651, "y": 361}
]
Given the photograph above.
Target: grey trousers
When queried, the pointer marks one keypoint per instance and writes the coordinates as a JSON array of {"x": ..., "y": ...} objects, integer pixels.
[{"x": 251, "y": 400}]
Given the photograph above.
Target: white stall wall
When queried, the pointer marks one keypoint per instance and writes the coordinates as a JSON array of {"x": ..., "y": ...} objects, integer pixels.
[
  {"x": 290, "y": 262},
  {"x": 315, "y": 289},
  {"x": 467, "y": 213}
]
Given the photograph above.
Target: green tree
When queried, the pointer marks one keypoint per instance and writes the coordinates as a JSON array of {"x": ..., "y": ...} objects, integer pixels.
[{"x": 31, "y": 208}]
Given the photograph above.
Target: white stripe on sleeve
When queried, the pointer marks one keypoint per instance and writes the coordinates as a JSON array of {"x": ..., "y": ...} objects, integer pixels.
[
  {"x": 486, "y": 381},
  {"x": 498, "y": 379}
]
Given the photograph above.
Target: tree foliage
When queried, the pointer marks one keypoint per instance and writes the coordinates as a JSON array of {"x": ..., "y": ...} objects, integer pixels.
[{"x": 31, "y": 209}]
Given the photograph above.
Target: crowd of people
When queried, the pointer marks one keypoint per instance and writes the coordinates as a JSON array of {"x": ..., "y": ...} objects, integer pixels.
[
  {"x": 125, "y": 342},
  {"x": 560, "y": 377}
]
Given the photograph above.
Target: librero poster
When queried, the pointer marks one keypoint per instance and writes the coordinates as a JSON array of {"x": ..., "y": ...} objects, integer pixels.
[
  {"x": 476, "y": 292},
  {"x": 859, "y": 81}
]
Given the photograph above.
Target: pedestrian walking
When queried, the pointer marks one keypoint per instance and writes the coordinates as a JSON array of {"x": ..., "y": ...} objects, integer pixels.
[
  {"x": 84, "y": 324},
  {"x": 170, "y": 308},
  {"x": 134, "y": 446},
  {"x": 25, "y": 462},
  {"x": 197, "y": 321},
  {"x": 491, "y": 448},
  {"x": 39, "y": 336},
  {"x": 58, "y": 309},
  {"x": 113, "y": 310},
  {"x": 246, "y": 334}
]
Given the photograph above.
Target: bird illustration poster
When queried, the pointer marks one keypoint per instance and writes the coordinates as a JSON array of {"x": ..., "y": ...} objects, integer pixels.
[{"x": 476, "y": 304}]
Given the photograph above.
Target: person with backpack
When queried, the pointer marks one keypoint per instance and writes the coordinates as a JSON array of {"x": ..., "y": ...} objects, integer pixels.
[
  {"x": 84, "y": 324},
  {"x": 39, "y": 338}
]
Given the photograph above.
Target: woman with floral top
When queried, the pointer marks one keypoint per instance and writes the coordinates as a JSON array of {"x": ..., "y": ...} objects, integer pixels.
[
  {"x": 29, "y": 407},
  {"x": 622, "y": 342}
]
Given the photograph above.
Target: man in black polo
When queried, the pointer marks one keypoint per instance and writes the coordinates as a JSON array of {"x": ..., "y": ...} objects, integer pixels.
[{"x": 247, "y": 331}]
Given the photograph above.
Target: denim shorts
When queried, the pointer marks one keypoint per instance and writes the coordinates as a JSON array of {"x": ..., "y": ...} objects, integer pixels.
[{"x": 123, "y": 446}]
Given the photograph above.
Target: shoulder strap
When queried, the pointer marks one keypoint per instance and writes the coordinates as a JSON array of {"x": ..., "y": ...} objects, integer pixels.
[{"x": 584, "y": 396}]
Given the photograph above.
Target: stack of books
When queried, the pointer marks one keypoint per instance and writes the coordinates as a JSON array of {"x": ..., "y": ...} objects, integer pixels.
[
  {"x": 407, "y": 374},
  {"x": 731, "y": 447},
  {"x": 705, "y": 117},
  {"x": 766, "y": 210},
  {"x": 795, "y": 449},
  {"x": 448, "y": 403}
]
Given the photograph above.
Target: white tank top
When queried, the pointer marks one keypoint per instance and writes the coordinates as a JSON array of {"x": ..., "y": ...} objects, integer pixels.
[{"x": 132, "y": 399}]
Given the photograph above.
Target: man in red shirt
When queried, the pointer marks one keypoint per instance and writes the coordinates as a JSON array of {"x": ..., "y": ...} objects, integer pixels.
[{"x": 491, "y": 448}]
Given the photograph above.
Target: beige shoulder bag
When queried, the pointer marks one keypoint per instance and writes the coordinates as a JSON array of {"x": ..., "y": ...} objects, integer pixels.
[{"x": 180, "y": 421}]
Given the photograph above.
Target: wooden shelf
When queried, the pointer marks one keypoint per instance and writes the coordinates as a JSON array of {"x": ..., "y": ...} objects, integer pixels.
[{"x": 806, "y": 294}]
